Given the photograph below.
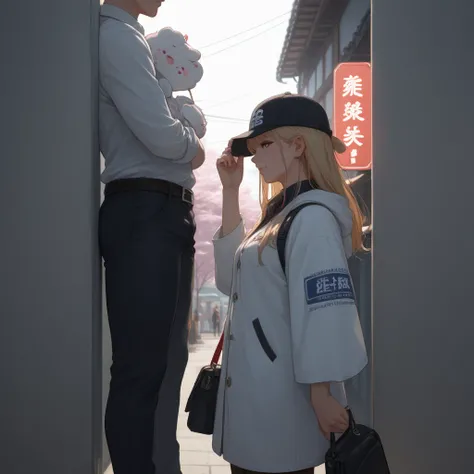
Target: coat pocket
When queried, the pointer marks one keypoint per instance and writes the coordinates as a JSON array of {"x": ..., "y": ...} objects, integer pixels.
[{"x": 263, "y": 340}]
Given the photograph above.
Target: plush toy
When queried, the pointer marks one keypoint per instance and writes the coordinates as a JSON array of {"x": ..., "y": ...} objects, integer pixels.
[{"x": 178, "y": 69}]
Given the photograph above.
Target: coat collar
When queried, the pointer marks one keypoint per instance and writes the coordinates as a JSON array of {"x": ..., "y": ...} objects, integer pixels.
[
  {"x": 293, "y": 191},
  {"x": 285, "y": 197}
]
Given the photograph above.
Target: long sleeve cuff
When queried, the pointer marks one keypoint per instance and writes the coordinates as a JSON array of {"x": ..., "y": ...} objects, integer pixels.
[
  {"x": 192, "y": 148},
  {"x": 225, "y": 248}
]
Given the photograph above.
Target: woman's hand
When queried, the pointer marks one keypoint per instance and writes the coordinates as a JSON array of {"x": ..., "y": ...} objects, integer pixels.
[
  {"x": 332, "y": 416},
  {"x": 231, "y": 169}
]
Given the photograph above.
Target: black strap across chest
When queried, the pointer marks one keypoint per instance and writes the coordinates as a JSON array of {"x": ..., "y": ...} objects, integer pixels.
[{"x": 285, "y": 228}]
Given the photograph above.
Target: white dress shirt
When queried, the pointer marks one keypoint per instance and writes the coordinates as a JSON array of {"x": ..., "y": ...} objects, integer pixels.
[{"x": 138, "y": 135}]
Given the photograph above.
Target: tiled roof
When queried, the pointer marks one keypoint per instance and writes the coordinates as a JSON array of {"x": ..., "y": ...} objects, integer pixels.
[{"x": 310, "y": 24}]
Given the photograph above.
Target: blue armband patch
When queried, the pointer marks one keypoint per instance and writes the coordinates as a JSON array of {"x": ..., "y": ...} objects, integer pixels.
[{"x": 329, "y": 286}]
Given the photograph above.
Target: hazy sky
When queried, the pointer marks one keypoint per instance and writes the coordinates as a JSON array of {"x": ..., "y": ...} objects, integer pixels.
[{"x": 237, "y": 79}]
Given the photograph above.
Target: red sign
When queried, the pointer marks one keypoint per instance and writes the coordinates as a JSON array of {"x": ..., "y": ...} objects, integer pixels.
[{"x": 353, "y": 114}]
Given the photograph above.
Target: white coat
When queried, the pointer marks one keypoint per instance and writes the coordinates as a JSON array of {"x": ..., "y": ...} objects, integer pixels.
[{"x": 283, "y": 334}]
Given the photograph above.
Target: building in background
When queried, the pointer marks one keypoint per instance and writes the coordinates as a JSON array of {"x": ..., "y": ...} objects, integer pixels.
[{"x": 321, "y": 34}]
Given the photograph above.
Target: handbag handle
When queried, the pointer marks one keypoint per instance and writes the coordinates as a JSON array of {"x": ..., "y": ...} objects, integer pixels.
[
  {"x": 352, "y": 426},
  {"x": 217, "y": 352}
]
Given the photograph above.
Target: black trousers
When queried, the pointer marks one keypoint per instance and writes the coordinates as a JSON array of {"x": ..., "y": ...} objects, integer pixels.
[
  {"x": 147, "y": 243},
  {"x": 166, "y": 445}
]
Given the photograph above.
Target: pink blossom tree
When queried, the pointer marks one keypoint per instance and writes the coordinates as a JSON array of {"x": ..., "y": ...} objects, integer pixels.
[{"x": 208, "y": 211}]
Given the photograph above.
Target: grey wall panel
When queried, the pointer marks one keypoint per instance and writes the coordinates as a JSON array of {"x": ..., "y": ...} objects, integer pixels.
[
  {"x": 50, "y": 308},
  {"x": 423, "y": 282}
]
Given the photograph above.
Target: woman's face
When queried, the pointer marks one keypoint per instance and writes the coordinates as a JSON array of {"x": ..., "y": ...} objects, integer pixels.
[{"x": 275, "y": 159}]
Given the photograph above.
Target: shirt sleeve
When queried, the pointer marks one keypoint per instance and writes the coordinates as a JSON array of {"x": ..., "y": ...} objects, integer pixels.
[
  {"x": 327, "y": 339},
  {"x": 127, "y": 74},
  {"x": 225, "y": 249}
]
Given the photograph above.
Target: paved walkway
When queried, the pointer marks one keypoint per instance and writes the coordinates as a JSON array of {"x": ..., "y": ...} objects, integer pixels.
[{"x": 197, "y": 456}]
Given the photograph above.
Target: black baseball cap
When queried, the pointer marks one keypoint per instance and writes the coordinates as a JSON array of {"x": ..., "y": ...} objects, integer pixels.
[{"x": 284, "y": 110}]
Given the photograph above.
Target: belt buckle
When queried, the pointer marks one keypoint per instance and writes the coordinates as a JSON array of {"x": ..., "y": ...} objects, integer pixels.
[{"x": 184, "y": 198}]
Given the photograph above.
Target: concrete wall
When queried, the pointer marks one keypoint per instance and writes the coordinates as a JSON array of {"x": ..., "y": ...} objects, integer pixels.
[
  {"x": 423, "y": 257},
  {"x": 50, "y": 330}
]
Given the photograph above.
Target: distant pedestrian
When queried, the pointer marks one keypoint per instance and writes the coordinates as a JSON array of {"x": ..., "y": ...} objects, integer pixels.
[
  {"x": 216, "y": 321},
  {"x": 197, "y": 324},
  {"x": 192, "y": 329}
]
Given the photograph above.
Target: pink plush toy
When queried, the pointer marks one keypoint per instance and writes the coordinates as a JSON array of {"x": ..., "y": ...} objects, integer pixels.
[{"x": 178, "y": 69}]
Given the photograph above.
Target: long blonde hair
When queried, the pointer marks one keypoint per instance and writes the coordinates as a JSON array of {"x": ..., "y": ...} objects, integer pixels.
[{"x": 321, "y": 168}]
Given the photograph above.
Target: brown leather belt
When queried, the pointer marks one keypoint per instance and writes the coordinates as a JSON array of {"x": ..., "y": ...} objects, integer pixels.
[{"x": 149, "y": 184}]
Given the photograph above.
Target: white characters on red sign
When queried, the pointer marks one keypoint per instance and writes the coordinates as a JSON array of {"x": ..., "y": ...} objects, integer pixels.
[
  {"x": 352, "y": 86},
  {"x": 352, "y": 135},
  {"x": 353, "y": 111}
]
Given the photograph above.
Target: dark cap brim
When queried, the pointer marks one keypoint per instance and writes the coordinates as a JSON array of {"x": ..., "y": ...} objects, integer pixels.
[{"x": 239, "y": 143}]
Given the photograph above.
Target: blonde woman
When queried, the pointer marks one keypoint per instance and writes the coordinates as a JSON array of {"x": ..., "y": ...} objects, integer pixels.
[{"x": 292, "y": 335}]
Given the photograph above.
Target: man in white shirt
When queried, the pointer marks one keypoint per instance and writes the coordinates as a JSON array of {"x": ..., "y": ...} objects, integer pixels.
[{"x": 146, "y": 232}]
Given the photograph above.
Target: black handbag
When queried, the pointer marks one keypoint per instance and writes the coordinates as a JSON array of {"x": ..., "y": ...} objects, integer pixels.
[
  {"x": 202, "y": 401},
  {"x": 358, "y": 451}
]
